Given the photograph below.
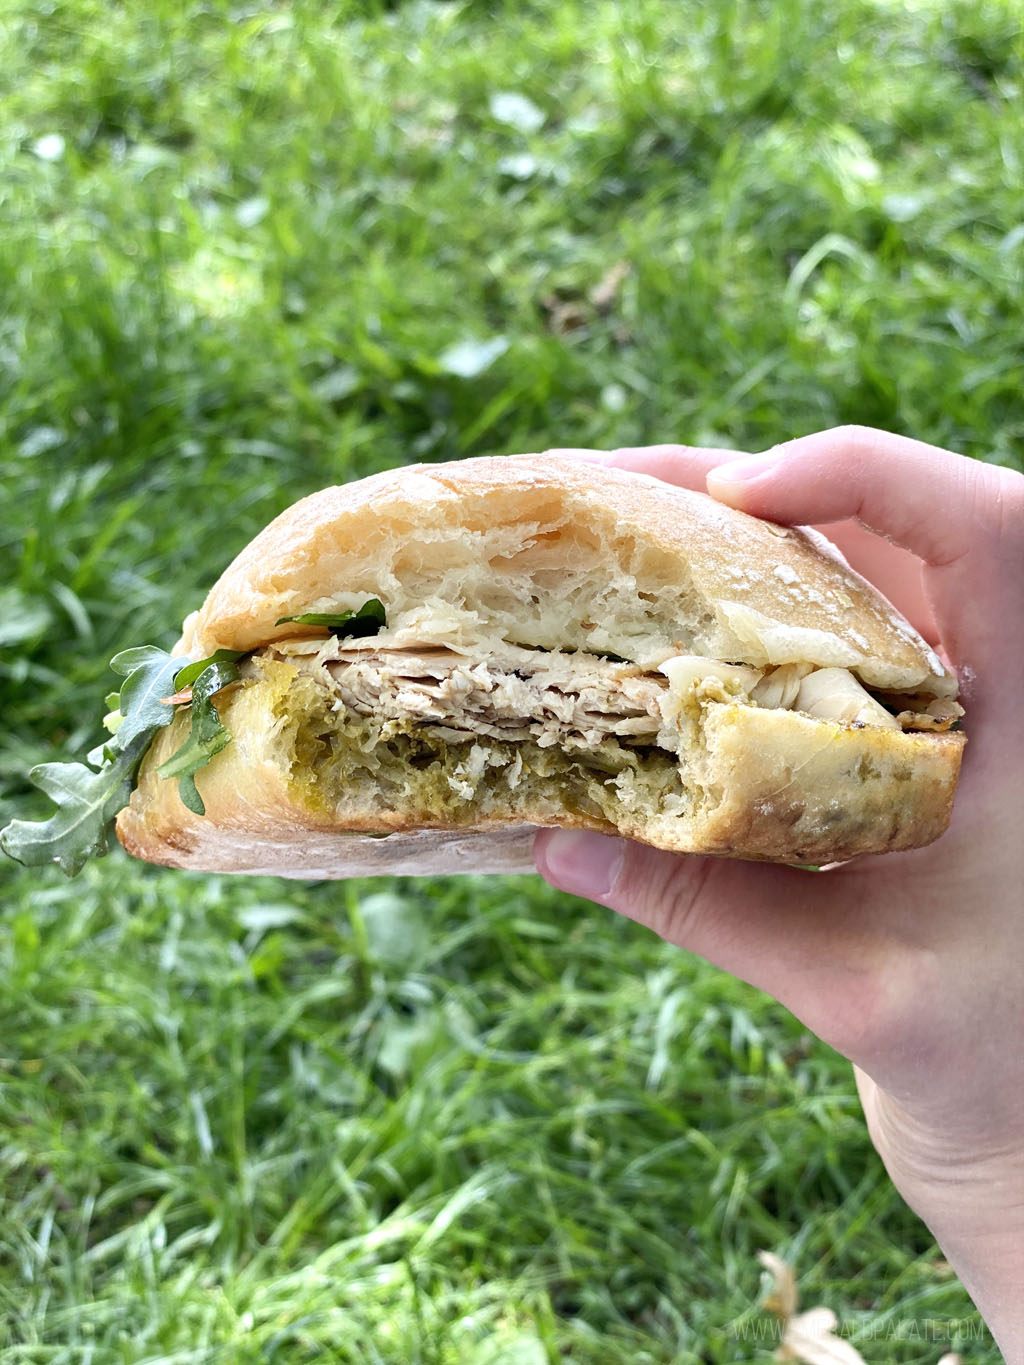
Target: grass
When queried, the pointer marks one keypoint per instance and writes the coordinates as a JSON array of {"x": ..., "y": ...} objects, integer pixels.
[{"x": 249, "y": 250}]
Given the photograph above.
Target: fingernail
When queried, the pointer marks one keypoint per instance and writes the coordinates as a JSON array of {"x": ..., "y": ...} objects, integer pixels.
[
  {"x": 744, "y": 471},
  {"x": 584, "y": 863}
]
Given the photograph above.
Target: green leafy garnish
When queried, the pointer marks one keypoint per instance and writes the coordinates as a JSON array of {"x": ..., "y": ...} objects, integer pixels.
[
  {"x": 191, "y": 672},
  {"x": 148, "y": 673},
  {"x": 368, "y": 620},
  {"x": 87, "y": 800},
  {"x": 208, "y": 735}
]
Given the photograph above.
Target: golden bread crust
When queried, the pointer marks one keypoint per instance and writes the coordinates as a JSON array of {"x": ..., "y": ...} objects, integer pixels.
[
  {"x": 755, "y": 579},
  {"x": 799, "y": 790}
]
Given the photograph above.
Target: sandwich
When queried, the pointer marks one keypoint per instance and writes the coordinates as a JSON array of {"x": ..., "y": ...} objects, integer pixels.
[{"x": 413, "y": 672}]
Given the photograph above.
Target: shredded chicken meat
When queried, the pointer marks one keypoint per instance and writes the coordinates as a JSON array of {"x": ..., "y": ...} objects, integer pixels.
[
  {"x": 549, "y": 698},
  {"x": 558, "y": 698}
]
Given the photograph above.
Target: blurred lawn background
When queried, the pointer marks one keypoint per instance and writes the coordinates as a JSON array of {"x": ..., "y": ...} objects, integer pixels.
[{"x": 247, "y": 250}]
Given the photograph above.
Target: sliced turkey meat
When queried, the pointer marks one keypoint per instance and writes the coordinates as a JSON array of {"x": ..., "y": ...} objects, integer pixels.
[
  {"x": 527, "y": 694},
  {"x": 557, "y": 698}
]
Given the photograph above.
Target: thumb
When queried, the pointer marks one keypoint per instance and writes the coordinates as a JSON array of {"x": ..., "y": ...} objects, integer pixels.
[
  {"x": 806, "y": 938},
  {"x": 964, "y": 519},
  {"x": 927, "y": 500}
]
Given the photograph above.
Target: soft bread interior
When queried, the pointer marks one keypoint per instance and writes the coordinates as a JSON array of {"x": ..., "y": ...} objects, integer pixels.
[{"x": 303, "y": 776}]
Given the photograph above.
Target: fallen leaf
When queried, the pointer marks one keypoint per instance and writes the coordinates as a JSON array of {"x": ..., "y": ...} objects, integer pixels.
[
  {"x": 49, "y": 147},
  {"x": 569, "y": 309},
  {"x": 252, "y": 211},
  {"x": 784, "y": 1298},
  {"x": 810, "y": 1337},
  {"x": 606, "y": 291},
  {"x": 807, "y": 1337},
  {"x": 564, "y": 315},
  {"x": 468, "y": 358},
  {"x": 507, "y": 106}
]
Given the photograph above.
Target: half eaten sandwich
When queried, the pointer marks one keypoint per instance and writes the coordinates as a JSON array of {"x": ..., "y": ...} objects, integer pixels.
[{"x": 545, "y": 642}]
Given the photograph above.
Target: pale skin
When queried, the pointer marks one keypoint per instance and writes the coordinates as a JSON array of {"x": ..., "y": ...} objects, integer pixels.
[{"x": 911, "y": 964}]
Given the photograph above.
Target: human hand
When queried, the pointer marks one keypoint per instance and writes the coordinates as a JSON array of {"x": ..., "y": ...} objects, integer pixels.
[{"x": 911, "y": 965}]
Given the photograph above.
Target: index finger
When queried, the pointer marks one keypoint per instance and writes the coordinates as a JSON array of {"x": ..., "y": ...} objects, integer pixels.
[
  {"x": 963, "y": 518},
  {"x": 685, "y": 466},
  {"x": 929, "y": 501}
]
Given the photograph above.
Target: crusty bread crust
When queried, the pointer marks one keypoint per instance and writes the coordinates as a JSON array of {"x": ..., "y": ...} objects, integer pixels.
[
  {"x": 799, "y": 790},
  {"x": 734, "y": 587}
]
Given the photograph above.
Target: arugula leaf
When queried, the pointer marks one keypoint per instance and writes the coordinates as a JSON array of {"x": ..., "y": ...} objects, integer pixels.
[
  {"x": 148, "y": 675},
  {"x": 368, "y": 620},
  {"x": 87, "y": 801},
  {"x": 190, "y": 672},
  {"x": 207, "y": 736}
]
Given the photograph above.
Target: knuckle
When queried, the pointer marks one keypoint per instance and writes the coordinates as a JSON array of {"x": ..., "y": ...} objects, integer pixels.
[
  {"x": 855, "y": 434},
  {"x": 855, "y": 443}
]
